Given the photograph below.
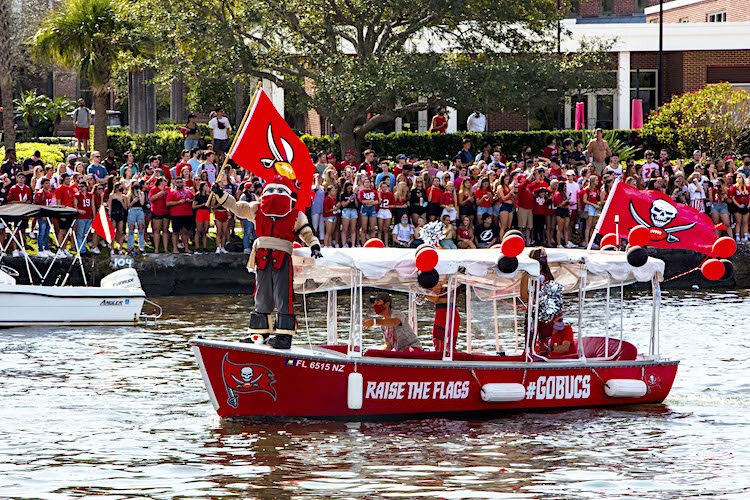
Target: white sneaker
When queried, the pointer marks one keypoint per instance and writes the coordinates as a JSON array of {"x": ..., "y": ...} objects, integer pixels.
[
  {"x": 570, "y": 245},
  {"x": 224, "y": 250},
  {"x": 197, "y": 252},
  {"x": 95, "y": 250},
  {"x": 560, "y": 246},
  {"x": 67, "y": 254},
  {"x": 218, "y": 249},
  {"x": 16, "y": 253}
]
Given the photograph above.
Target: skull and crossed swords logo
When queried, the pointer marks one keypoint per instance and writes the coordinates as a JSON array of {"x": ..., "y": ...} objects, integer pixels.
[{"x": 661, "y": 214}]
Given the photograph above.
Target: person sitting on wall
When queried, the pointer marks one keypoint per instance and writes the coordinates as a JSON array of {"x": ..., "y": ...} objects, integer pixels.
[{"x": 397, "y": 331}]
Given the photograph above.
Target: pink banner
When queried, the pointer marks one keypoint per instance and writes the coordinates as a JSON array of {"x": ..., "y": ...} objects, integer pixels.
[
  {"x": 636, "y": 114},
  {"x": 580, "y": 122}
]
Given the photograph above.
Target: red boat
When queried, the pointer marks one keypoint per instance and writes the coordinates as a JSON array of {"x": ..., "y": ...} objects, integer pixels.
[{"x": 348, "y": 380}]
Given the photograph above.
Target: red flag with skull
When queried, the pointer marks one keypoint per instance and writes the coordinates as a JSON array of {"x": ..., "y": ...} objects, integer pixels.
[
  {"x": 246, "y": 378},
  {"x": 670, "y": 224},
  {"x": 266, "y": 146}
]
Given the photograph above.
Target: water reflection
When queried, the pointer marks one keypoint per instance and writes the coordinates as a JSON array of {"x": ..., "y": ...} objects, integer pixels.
[{"x": 122, "y": 412}]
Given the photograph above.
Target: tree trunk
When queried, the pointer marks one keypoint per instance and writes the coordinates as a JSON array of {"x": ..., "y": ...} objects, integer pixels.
[
  {"x": 6, "y": 77},
  {"x": 347, "y": 142},
  {"x": 100, "y": 119}
]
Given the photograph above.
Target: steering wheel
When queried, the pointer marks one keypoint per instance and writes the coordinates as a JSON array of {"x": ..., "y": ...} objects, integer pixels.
[{"x": 9, "y": 271}]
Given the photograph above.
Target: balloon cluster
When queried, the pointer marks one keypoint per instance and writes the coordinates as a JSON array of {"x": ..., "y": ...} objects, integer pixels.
[
  {"x": 718, "y": 266},
  {"x": 511, "y": 247},
  {"x": 426, "y": 259}
]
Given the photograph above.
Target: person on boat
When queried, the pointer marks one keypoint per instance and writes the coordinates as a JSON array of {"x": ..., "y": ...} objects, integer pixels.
[
  {"x": 440, "y": 299},
  {"x": 550, "y": 298},
  {"x": 397, "y": 331},
  {"x": 278, "y": 223},
  {"x": 562, "y": 341}
]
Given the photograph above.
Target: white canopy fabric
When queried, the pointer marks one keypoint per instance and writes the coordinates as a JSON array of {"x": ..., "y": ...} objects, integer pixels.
[{"x": 394, "y": 268}]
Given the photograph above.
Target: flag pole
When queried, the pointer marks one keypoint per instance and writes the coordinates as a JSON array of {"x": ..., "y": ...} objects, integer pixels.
[
  {"x": 236, "y": 136},
  {"x": 604, "y": 212}
]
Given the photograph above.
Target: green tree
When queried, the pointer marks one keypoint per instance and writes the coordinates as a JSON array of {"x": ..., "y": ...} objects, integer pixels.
[
  {"x": 6, "y": 76},
  {"x": 90, "y": 37},
  {"x": 363, "y": 63},
  {"x": 715, "y": 119}
]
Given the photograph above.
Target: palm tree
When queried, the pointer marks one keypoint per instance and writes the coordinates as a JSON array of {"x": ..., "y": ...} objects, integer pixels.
[
  {"x": 89, "y": 36},
  {"x": 6, "y": 77}
]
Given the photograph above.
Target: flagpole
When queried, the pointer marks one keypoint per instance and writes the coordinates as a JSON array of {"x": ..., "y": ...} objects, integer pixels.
[
  {"x": 236, "y": 136},
  {"x": 604, "y": 212}
]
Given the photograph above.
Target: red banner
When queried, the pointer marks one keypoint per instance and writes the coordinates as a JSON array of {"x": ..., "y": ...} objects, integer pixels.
[
  {"x": 245, "y": 378},
  {"x": 102, "y": 225},
  {"x": 266, "y": 146},
  {"x": 670, "y": 224}
]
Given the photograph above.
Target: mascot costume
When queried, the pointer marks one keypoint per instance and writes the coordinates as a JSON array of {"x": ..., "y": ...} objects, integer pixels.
[
  {"x": 266, "y": 147},
  {"x": 277, "y": 224}
]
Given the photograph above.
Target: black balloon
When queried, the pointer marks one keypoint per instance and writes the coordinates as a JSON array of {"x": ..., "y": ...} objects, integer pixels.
[
  {"x": 507, "y": 265},
  {"x": 428, "y": 279},
  {"x": 728, "y": 269},
  {"x": 512, "y": 232},
  {"x": 637, "y": 256}
]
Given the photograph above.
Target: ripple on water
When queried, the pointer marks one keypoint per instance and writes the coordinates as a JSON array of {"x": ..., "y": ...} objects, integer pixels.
[{"x": 123, "y": 412}]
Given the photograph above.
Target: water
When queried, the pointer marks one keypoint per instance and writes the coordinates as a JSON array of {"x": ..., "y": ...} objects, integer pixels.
[{"x": 119, "y": 412}]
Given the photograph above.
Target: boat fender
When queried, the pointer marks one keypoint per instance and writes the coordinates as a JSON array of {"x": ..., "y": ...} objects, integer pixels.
[
  {"x": 354, "y": 391},
  {"x": 503, "y": 392},
  {"x": 625, "y": 388}
]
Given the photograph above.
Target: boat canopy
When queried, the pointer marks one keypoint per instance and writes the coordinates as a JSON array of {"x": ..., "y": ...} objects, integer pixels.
[
  {"x": 395, "y": 269},
  {"x": 16, "y": 211}
]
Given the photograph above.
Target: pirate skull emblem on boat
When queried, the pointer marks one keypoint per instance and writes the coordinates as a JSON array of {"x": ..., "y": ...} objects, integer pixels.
[{"x": 662, "y": 213}]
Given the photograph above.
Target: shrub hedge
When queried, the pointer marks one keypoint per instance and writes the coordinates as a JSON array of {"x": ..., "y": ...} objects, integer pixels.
[{"x": 168, "y": 142}]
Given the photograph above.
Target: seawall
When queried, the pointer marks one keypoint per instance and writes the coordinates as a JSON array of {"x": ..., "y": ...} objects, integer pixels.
[{"x": 187, "y": 274}]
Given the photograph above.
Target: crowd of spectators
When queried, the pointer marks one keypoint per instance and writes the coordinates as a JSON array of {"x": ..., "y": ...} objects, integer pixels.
[{"x": 553, "y": 197}]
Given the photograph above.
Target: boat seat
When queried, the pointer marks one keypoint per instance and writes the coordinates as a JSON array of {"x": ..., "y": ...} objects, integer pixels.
[
  {"x": 594, "y": 347},
  {"x": 340, "y": 348}
]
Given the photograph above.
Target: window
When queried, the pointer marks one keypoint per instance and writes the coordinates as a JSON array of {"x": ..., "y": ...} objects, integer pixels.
[
  {"x": 717, "y": 17},
  {"x": 608, "y": 7},
  {"x": 643, "y": 86}
]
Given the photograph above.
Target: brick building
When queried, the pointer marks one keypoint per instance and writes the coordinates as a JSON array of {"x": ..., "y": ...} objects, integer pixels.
[{"x": 701, "y": 11}]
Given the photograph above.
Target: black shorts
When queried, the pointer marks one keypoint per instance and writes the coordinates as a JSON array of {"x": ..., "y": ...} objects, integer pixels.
[
  {"x": 180, "y": 222},
  {"x": 65, "y": 223},
  {"x": 434, "y": 209},
  {"x": 562, "y": 212},
  {"x": 221, "y": 145},
  {"x": 159, "y": 217},
  {"x": 468, "y": 209},
  {"x": 742, "y": 211}
]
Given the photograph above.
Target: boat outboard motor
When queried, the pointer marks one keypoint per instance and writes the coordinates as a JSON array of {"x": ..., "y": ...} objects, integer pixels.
[{"x": 123, "y": 278}]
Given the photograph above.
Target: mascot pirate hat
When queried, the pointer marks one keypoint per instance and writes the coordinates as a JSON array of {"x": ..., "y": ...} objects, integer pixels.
[{"x": 278, "y": 198}]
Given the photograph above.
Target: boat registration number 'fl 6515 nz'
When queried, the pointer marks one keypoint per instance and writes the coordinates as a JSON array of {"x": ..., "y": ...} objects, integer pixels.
[
  {"x": 457, "y": 389},
  {"x": 559, "y": 387}
]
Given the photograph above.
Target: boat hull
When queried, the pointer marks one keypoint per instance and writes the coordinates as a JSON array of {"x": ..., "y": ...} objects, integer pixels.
[
  {"x": 30, "y": 305},
  {"x": 315, "y": 383}
]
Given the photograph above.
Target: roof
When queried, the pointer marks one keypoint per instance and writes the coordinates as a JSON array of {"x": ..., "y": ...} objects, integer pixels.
[
  {"x": 16, "y": 211},
  {"x": 394, "y": 268}
]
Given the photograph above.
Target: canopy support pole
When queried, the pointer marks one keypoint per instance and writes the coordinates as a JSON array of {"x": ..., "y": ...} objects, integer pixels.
[
  {"x": 332, "y": 318},
  {"x": 497, "y": 327},
  {"x": 21, "y": 242},
  {"x": 581, "y": 300},
  {"x": 515, "y": 319},
  {"x": 78, "y": 258},
  {"x": 656, "y": 290},
  {"x": 413, "y": 311},
  {"x": 59, "y": 247},
  {"x": 608, "y": 316},
  {"x": 468, "y": 319},
  {"x": 355, "y": 332}
]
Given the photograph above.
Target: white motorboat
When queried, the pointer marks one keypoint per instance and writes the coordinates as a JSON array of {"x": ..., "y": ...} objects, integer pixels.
[{"x": 118, "y": 300}]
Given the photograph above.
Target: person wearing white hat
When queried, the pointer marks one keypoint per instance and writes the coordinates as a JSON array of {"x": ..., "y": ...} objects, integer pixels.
[{"x": 70, "y": 165}]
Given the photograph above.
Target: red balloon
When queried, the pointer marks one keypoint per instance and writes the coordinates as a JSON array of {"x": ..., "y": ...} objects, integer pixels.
[
  {"x": 639, "y": 236},
  {"x": 608, "y": 239},
  {"x": 712, "y": 269},
  {"x": 374, "y": 243},
  {"x": 724, "y": 247},
  {"x": 297, "y": 244},
  {"x": 512, "y": 245},
  {"x": 427, "y": 259}
]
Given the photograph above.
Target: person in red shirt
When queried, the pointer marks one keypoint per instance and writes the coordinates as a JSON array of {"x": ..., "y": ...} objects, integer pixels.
[
  {"x": 541, "y": 196},
  {"x": 434, "y": 195},
  {"x": 330, "y": 215},
  {"x": 348, "y": 161},
  {"x": 449, "y": 202},
  {"x": 739, "y": 194},
  {"x": 485, "y": 198},
  {"x": 84, "y": 203},
  {"x": 65, "y": 194},
  {"x": 45, "y": 197},
  {"x": 368, "y": 208},
  {"x": 384, "y": 214},
  {"x": 590, "y": 198},
  {"x": 157, "y": 195},
  {"x": 525, "y": 206},
  {"x": 563, "y": 342},
  {"x": 19, "y": 193},
  {"x": 180, "y": 203},
  {"x": 551, "y": 149}
]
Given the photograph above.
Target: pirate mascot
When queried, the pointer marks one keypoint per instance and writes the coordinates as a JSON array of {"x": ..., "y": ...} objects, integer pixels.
[{"x": 277, "y": 224}]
